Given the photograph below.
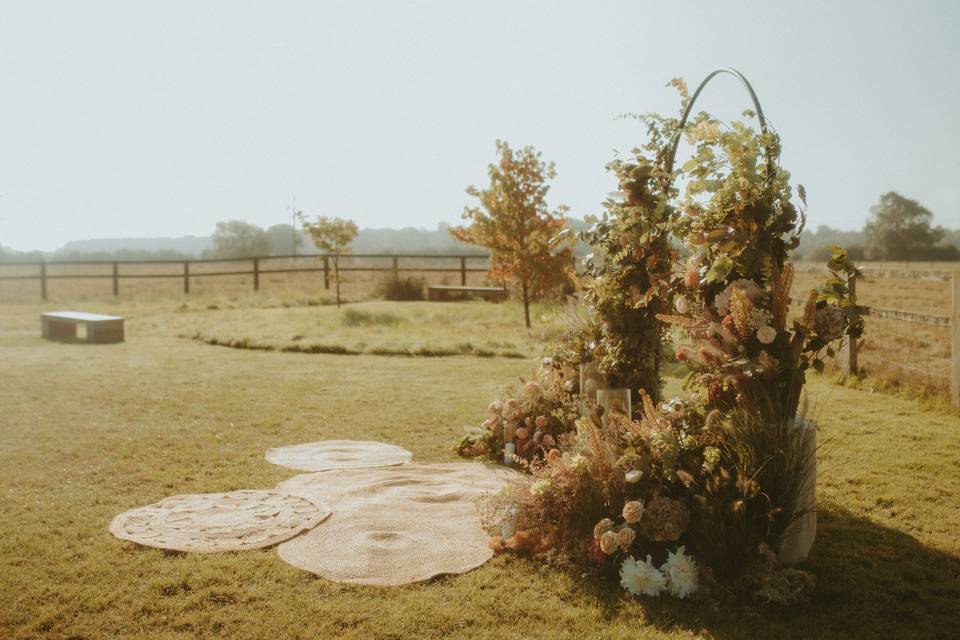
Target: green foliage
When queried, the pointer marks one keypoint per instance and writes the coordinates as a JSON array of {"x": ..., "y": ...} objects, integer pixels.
[
  {"x": 238, "y": 239},
  {"x": 823, "y": 253},
  {"x": 741, "y": 224},
  {"x": 285, "y": 239},
  {"x": 333, "y": 236},
  {"x": 629, "y": 276},
  {"x": 901, "y": 229}
]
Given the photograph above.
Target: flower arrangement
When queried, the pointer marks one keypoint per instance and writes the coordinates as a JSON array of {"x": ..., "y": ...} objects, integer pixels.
[
  {"x": 734, "y": 304},
  {"x": 698, "y": 489},
  {"x": 530, "y": 418},
  {"x": 612, "y": 493}
]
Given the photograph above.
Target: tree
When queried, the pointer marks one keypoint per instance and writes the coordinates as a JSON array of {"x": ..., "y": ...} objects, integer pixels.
[
  {"x": 333, "y": 236},
  {"x": 514, "y": 223},
  {"x": 285, "y": 239},
  {"x": 238, "y": 239},
  {"x": 900, "y": 229}
]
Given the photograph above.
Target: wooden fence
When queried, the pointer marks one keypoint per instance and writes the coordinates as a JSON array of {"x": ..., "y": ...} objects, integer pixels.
[
  {"x": 257, "y": 268},
  {"x": 951, "y": 322}
]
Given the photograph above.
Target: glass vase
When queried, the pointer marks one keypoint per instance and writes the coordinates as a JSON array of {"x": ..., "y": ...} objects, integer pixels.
[
  {"x": 615, "y": 401},
  {"x": 591, "y": 380}
]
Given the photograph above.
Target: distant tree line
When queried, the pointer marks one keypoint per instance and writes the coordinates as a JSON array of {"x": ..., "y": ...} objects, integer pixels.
[
  {"x": 899, "y": 229},
  {"x": 11, "y": 255},
  {"x": 248, "y": 240}
]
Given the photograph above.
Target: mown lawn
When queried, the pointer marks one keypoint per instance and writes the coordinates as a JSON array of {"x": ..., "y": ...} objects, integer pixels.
[
  {"x": 377, "y": 328},
  {"x": 89, "y": 431}
]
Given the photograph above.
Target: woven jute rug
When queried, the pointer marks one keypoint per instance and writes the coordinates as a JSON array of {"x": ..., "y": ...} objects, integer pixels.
[
  {"x": 422, "y": 483},
  {"x": 209, "y": 522},
  {"x": 391, "y": 543},
  {"x": 338, "y": 454},
  {"x": 395, "y": 525}
]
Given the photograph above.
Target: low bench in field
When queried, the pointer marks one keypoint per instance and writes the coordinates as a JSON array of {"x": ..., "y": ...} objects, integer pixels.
[
  {"x": 62, "y": 325},
  {"x": 440, "y": 293}
]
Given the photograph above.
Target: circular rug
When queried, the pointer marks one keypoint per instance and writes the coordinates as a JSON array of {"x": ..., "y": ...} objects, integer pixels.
[
  {"x": 457, "y": 482},
  {"x": 208, "y": 522},
  {"x": 396, "y": 525},
  {"x": 391, "y": 543},
  {"x": 338, "y": 454}
]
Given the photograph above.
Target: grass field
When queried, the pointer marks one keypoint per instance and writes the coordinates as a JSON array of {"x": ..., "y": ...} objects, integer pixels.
[
  {"x": 896, "y": 354},
  {"x": 378, "y": 328},
  {"x": 893, "y": 355},
  {"x": 89, "y": 431}
]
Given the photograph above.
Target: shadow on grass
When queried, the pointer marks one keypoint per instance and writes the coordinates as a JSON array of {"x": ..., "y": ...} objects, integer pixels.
[
  {"x": 872, "y": 582},
  {"x": 462, "y": 349}
]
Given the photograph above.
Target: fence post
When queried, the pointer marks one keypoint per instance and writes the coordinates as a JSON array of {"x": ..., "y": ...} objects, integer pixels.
[
  {"x": 955, "y": 342},
  {"x": 463, "y": 271},
  {"x": 852, "y": 345},
  {"x": 43, "y": 280},
  {"x": 186, "y": 277},
  {"x": 326, "y": 272},
  {"x": 256, "y": 274},
  {"x": 396, "y": 268},
  {"x": 116, "y": 279}
]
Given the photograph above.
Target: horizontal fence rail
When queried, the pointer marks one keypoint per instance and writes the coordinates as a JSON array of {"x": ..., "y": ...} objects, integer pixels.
[
  {"x": 895, "y": 314},
  {"x": 43, "y": 274},
  {"x": 192, "y": 270},
  {"x": 914, "y": 273},
  {"x": 951, "y": 322}
]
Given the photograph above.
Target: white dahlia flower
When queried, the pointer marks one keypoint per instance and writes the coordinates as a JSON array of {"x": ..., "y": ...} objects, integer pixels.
[
  {"x": 680, "y": 572},
  {"x": 641, "y": 578}
]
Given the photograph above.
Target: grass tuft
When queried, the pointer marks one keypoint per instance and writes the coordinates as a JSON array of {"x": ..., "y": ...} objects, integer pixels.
[{"x": 358, "y": 318}]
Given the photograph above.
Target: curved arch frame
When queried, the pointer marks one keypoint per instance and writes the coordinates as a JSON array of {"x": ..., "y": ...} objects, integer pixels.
[{"x": 689, "y": 108}]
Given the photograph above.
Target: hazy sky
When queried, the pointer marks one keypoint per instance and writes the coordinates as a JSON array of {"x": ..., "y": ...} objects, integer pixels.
[{"x": 159, "y": 119}]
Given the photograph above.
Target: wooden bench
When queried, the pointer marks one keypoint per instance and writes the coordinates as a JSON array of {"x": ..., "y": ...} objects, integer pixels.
[
  {"x": 441, "y": 293},
  {"x": 62, "y": 325}
]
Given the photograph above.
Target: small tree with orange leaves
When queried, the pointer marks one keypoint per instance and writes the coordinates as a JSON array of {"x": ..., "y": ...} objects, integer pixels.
[
  {"x": 332, "y": 235},
  {"x": 514, "y": 223}
]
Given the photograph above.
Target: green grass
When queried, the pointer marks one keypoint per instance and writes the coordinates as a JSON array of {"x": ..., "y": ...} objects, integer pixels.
[
  {"x": 89, "y": 431},
  {"x": 379, "y": 328},
  {"x": 356, "y": 318}
]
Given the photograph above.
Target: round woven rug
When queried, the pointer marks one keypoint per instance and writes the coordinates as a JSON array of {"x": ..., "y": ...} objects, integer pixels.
[
  {"x": 209, "y": 522},
  {"x": 391, "y": 543},
  {"x": 463, "y": 482},
  {"x": 395, "y": 525},
  {"x": 338, "y": 454}
]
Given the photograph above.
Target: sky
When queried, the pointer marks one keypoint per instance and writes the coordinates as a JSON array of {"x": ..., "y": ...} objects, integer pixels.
[{"x": 137, "y": 119}]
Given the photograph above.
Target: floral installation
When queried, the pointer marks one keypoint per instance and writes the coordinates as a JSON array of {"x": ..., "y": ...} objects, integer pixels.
[
  {"x": 733, "y": 309},
  {"x": 628, "y": 279},
  {"x": 692, "y": 493}
]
